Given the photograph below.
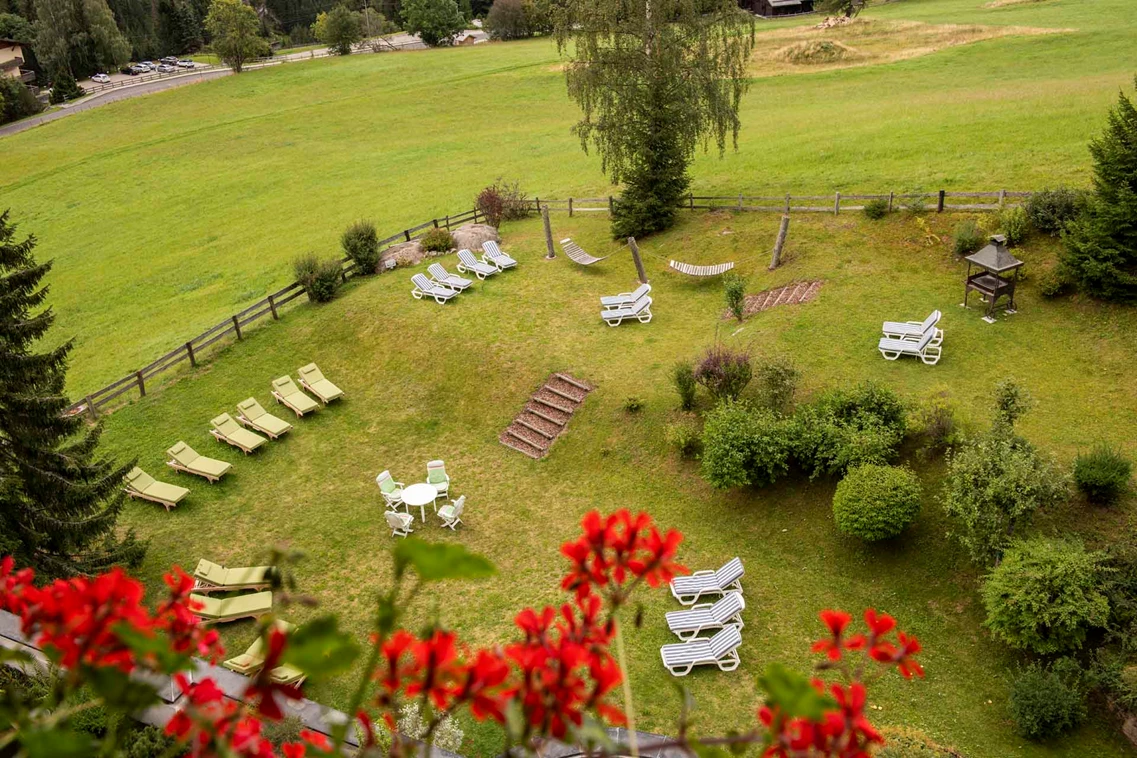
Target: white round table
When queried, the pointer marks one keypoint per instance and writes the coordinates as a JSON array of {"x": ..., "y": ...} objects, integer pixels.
[{"x": 418, "y": 495}]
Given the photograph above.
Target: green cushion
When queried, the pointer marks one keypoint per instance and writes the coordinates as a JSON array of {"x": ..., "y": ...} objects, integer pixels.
[
  {"x": 286, "y": 674},
  {"x": 272, "y": 424},
  {"x": 251, "y": 409},
  {"x": 170, "y": 493},
  {"x": 248, "y": 575},
  {"x": 183, "y": 453},
  {"x": 311, "y": 373},
  {"x": 325, "y": 389},
  {"x": 138, "y": 479},
  {"x": 210, "y": 571}
]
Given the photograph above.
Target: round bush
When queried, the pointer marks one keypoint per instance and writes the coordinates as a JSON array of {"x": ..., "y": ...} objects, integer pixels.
[
  {"x": 1102, "y": 474},
  {"x": 1047, "y": 702},
  {"x": 361, "y": 244},
  {"x": 876, "y": 209},
  {"x": 437, "y": 241},
  {"x": 876, "y": 502}
]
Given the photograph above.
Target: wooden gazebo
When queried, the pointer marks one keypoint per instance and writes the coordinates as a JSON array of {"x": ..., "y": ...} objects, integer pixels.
[{"x": 994, "y": 280}]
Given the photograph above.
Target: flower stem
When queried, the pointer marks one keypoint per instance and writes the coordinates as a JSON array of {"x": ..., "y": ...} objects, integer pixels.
[{"x": 629, "y": 707}]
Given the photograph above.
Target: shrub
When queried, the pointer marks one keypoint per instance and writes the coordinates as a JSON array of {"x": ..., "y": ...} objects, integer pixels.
[
  {"x": 491, "y": 204},
  {"x": 1047, "y": 701},
  {"x": 683, "y": 377},
  {"x": 633, "y": 404},
  {"x": 507, "y": 19},
  {"x": 502, "y": 201},
  {"x": 876, "y": 209},
  {"x": 435, "y": 21},
  {"x": 685, "y": 437},
  {"x": 967, "y": 237},
  {"x": 876, "y": 502},
  {"x": 1051, "y": 210},
  {"x": 724, "y": 372},
  {"x": 361, "y": 244},
  {"x": 734, "y": 291},
  {"x": 916, "y": 204},
  {"x": 1012, "y": 400},
  {"x": 320, "y": 279},
  {"x": 1052, "y": 283},
  {"x": 1102, "y": 474},
  {"x": 339, "y": 29},
  {"x": 286, "y": 730},
  {"x": 1045, "y": 596},
  {"x": 437, "y": 241},
  {"x": 65, "y": 88},
  {"x": 906, "y": 742},
  {"x": 777, "y": 383},
  {"x": 744, "y": 446},
  {"x": 145, "y": 742},
  {"x": 16, "y": 100},
  {"x": 1014, "y": 224},
  {"x": 848, "y": 427},
  {"x": 447, "y": 734}
]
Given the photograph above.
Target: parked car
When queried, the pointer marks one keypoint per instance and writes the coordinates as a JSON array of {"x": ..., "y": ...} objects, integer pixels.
[
  {"x": 170, "y": 59},
  {"x": 186, "y": 63},
  {"x": 101, "y": 78},
  {"x": 139, "y": 68},
  {"x": 166, "y": 68}
]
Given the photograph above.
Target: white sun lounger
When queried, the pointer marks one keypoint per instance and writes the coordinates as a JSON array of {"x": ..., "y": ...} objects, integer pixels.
[
  {"x": 446, "y": 279},
  {"x": 639, "y": 310},
  {"x": 923, "y": 348},
  {"x": 468, "y": 264},
  {"x": 900, "y": 330},
  {"x": 625, "y": 298},
  {"x": 726, "y": 611},
  {"x": 688, "y": 589},
  {"x": 424, "y": 286},
  {"x": 495, "y": 257},
  {"x": 720, "y": 650}
]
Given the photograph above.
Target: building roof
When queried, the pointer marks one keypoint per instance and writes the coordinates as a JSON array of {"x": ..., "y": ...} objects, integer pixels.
[
  {"x": 784, "y": 3},
  {"x": 996, "y": 258},
  {"x": 6, "y": 41}
]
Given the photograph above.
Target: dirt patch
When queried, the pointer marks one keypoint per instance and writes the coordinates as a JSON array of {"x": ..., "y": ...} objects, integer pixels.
[
  {"x": 1004, "y": 3},
  {"x": 817, "y": 52},
  {"x": 794, "y": 293}
]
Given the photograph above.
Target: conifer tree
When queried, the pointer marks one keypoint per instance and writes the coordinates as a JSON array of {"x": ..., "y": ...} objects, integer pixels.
[
  {"x": 59, "y": 500},
  {"x": 1101, "y": 245}
]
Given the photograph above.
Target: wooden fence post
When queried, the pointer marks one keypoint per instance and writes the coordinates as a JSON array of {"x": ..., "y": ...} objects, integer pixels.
[
  {"x": 1002, "y": 198},
  {"x": 891, "y": 197},
  {"x": 783, "y": 229},
  {"x": 611, "y": 205},
  {"x": 448, "y": 220},
  {"x": 739, "y": 201},
  {"x": 189, "y": 351},
  {"x": 91, "y": 410},
  {"x": 407, "y": 234},
  {"x": 272, "y": 307},
  {"x": 636, "y": 257},
  {"x": 570, "y": 207},
  {"x": 548, "y": 233},
  {"x": 691, "y": 199},
  {"x": 940, "y": 202},
  {"x": 237, "y": 326},
  {"x": 787, "y": 211},
  {"x": 141, "y": 384},
  {"x": 435, "y": 222},
  {"x": 836, "y": 203}
]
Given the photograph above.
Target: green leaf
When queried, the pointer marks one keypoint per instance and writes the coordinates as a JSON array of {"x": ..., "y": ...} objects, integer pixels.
[
  {"x": 119, "y": 691},
  {"x": 14, "y": 656},
  {"x": 320, "y": 649},
  {"x": 153, "y": 646},
  {"x": 793, "y": 693},
  {"x": 435, "y": 562},
  {"x": 594, "y": 735},
  {"x": 710, "y": 751},
  {"x": 56, "y": 742}
]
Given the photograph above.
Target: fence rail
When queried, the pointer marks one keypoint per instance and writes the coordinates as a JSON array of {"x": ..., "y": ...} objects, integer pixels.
[{"x": 271, "y": 305}]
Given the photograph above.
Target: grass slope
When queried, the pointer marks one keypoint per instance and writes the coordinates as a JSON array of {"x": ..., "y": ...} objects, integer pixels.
[
  {"x": 425, "y": 381},
  {"x": 167, "y": 213}
]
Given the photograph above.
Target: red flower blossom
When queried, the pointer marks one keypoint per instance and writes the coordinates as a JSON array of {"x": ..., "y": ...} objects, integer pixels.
[
  {"x": 615, "y": 548},
  {"x": 263, "y": 690},
  {"x": 835, "y": 644}
]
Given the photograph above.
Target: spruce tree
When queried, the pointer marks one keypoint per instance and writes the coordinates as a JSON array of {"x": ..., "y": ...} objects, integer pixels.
[
  {"x": 1101, "y": 246},
  {"x": 59, "y": 500}
]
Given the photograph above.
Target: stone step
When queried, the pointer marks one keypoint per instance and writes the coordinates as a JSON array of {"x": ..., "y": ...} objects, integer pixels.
[
  {"x": 573, "y": 382},
  {"x": 518, "y": 433},
  {"x": 542, "y": 414},
  {"x": 561, "y": 393},
  {"x": 554, "y": 406},
  {"x": 520, "y": 446},
  {"x": 527, "y": 425}
]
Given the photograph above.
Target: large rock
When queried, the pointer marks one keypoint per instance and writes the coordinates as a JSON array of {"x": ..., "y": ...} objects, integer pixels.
[
  {"x": 403, "y": 254},
  {"x": 471, "y": 236}
]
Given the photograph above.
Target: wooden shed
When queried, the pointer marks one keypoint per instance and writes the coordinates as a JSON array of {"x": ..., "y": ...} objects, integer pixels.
[{"x": 774, "y": 8}]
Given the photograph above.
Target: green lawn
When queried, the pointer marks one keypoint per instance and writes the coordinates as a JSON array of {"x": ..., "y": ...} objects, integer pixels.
[
  {"x": 424, "y": 381},
  {"x": 167, "y": 213}
]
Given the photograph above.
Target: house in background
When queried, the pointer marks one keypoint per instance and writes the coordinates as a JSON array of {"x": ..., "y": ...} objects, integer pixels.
[
  {"x": 774, "y": 8},
  {"x": 11, "y": 60}
]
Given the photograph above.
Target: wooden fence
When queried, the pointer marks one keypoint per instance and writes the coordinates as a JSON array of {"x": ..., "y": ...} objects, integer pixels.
[
  {"x": 192, "y": 349},
  {"x": 835, "y": 203}
]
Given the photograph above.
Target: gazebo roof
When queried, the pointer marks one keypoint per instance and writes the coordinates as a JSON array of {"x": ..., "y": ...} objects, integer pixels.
[{"x": 996, "y": 258}]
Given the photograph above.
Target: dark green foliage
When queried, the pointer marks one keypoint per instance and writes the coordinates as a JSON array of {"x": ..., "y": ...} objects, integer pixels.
[
  {"x": 967, "y": 237},
  {"x": 320, "y": 279},
  {"x": 285, "y": 730},
  {"x": 683, "y": 377},
  {"x": 235, "y": 32},
  {"x": 437, "y": 241},
  {"x": 59, "y": 500},
  {"x": 734, "y": 292},
  {"x": 777, "y": 383},
  {"x": 146, "y": 742},
  {"x": 1014, "y": 224},
  {"x": 1045, "y": 596},
  {"x": 633, "y": 404},
  {"x": 16, "y": 100},
  {"x": 1052, "y": 283},
  {"x": 1101, "y": 245},
  {"x": 876, "y": 209},
  {"x": 848, "y": 427},
  {"x": 1011, "y": 400},
  {"x": 847, "y": 8},
  {"x": 361, "y": 244},
  {"x": 1051, "y": 210},
  {"x": 724, "y": 372},
  {"x": 65, "y": 88},
  {"x": 685, "y": 437},
  {"x": 744, "y": 446},
  {"x": 78, "y": 36},
  {"x": 654, "y": 81},
  {"x": 435, "y": 21},
  {"x": 14, "y": 26},
  {"x": 1102, "y": 474},
  {"x": 507, "y": 19},
  {"x": 934, "y": 424},
  {"x": 1048, "y": 700},
  {"x": 876, "y": 502},
  {"x": 916, "y": 204},
  {"x": 339, "y": 29}
]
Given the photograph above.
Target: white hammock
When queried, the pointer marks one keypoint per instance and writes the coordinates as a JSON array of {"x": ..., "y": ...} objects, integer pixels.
[
  {"x": 577, "y": 254},
  {"x": 692, "y": 270}
]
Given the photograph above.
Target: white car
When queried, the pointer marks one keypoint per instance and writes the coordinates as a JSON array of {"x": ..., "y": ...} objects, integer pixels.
[
  {"x": 166, "y": 68},
  {"x": 187, "y": 63},
  {"x": 101, "y": 78}
]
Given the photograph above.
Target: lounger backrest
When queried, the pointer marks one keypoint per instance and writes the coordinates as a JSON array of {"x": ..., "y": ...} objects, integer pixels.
[
  {"x": 211, "y": 571},
  {"x": 729, "y": 606},
  {"x": 183, "y": 453},
  {"x": 285, "y": 386},
  {"x": 467, "y": 258},
  {"x": 932, "y": 319},
  {"x": 925, "y": 338},
  {"x": 422, "y": 283},
  {"x": 641, "y": 304},
  {"x": 225, "y": 424},
  {"x": 251, "y": 409},
  {"x": 725, "y": 641},
  {"x": 436, "y": 472},
  {"x": 641, "y": 290},
  {"x": 138, "y": 479},
  {"x": 385, "y": 482},
  {"x": 311, "y": 373},
  {"x": 491, "y": 248},
  {"x": 438, "y": 272},
  {"x": 729, "y": 573}
]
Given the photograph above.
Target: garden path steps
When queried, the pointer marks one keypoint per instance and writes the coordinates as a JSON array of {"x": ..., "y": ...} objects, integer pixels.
[
  {"x": 793, "y": 293},
  {"x": 545, "y": 415}
]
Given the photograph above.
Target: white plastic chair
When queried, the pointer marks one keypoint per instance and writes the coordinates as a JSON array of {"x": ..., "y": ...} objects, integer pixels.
[
  {"x": 392, "y": 490},
  {"x": 437, "y": 477},
  {"x": 451, "y": 514},
  {"x": 400, "y": 523}
]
